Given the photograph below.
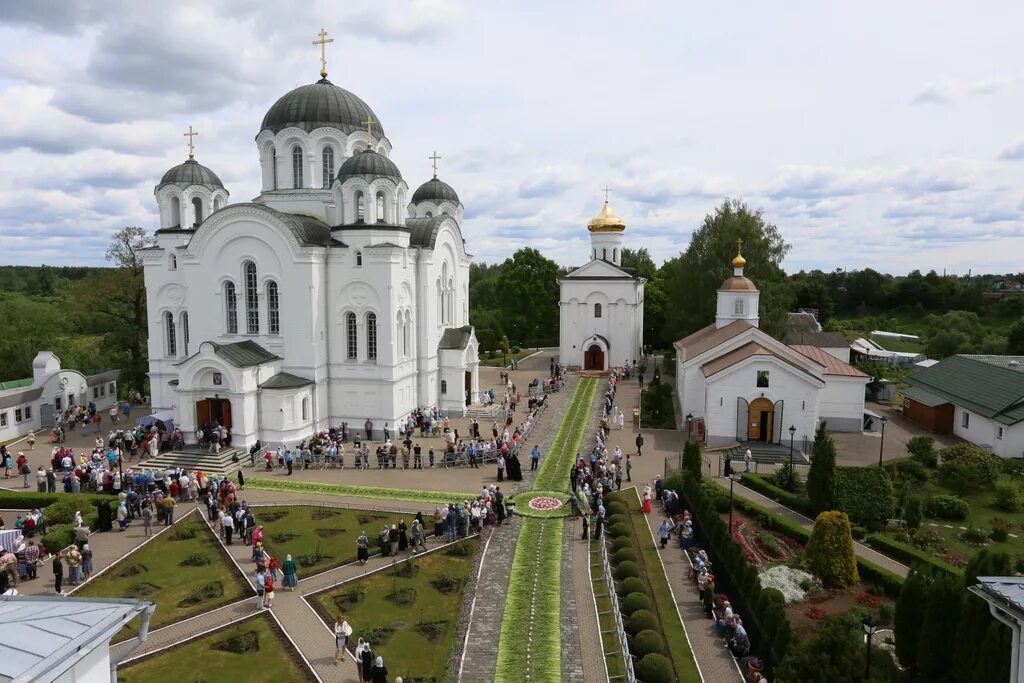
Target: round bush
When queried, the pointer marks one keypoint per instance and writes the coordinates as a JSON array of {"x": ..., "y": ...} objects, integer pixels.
[
  {"x": 58, "y": 537},
  {"x": 641, "y": 620},
  {"x": 616, "y": 519},
  {"x": 945, "y": 506},
  {"x": 616, "y": 507},
  {"x": 647, "y": 642},
  {"x": 627, "y": 570},
  {"x": 618, "y": 530},
  {"x": 654, "y": 668},
  {"x": 623, "y": 555},
  {"x": 632, "y": 585},
  {"x": 620, "y": 543},
  {"x": 635, "y": 602}
]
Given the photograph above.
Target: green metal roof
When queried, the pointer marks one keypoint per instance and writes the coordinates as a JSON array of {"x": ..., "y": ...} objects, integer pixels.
[
  {"x": 991, "y": 386},
  {"x": 286, "y": 380},
  {"x": 16, "y": 384},
  {"x": 244, "y": 354}
]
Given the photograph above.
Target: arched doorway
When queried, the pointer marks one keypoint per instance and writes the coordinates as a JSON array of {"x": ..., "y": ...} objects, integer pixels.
[
  {"x": 593, "y": 358},
  {"x": 761, "y": 420},
  {"x": 213, "y": 410}
]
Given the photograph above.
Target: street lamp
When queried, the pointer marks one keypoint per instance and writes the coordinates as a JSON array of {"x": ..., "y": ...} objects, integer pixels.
[
  {"x": 792, "y": 432},
  {"x": 881, "y": 444},
  {"x": 689, "y": 425},
  {"x": 732, "y": 480},
  {"x": 868, "y": 623}
]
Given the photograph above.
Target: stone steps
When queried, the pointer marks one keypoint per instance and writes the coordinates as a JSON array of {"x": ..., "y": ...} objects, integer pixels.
[{"x": 200, "y": 459}]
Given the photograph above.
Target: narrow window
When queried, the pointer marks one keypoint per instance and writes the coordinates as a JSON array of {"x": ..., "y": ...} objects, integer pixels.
[
  {"x": 57, "y": 403},
  {"x": 604, "y": 254},
  {"x": 273, "y": 308},
  {"x": 380, "y": 207},
  {"x": 172, "y": 342},
  {"x": 252, "y": 299},
  {"x": 305, "y": 409},
  {"x": 352, "y": 336},
  {"x": 359, "y": 259},
  {"x": 273, "y": 168},
  {"x": 184, "y": 333},
  {"x": 17, "y": 414},
  {"x": 328, "y": 159},
  {"x": 406, "y": 333},
  {"x": 966, "y": 423},
  {"x": 231, "y": 306},
  {"x": 3, "y": 419},
  {"x": 762, "y": 379},
  {"x": 615, "y": 255},
  {"x": 174, "y": 262},
  {"x": 597, "y": 310},
  {"x": 451, "y": 301},
  {"x": 400, "y": 334},
  {"x": 197, "y": 208},
  {"x": 999, "y": 434},
  {"x": 737, "y": 307},
  {"x": 175, "y": 212},
  {"x": 444, "y": 387},
  {"x": 296, "y": 167},
  {"x": 360, "y": 208},
  {"x": 371, "y": 336},
  {"x": 111, "y": 388},
  {"x": 28, "y": 413}
]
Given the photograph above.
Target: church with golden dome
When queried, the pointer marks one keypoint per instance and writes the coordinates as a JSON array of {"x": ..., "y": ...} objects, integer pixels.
[{"x": 601, "y": 305}]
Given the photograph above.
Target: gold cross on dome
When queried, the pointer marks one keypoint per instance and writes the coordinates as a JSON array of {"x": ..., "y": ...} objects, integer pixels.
[
  {"x": 369, "y": 130},
  {"x": 433, "y": 158},
  {"x": 739, "y": 246},
  {"x": 607, "y": 190},
  {"x": 324, "y": 40},
  {"x": 191, "y": 148}
]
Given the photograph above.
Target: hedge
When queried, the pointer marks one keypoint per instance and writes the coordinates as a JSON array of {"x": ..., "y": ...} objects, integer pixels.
[
  {"x": 647, "y": 642},
  {"x": 632, "y": 585},
  {"x": 58, "y": 537},
  {"x": 761, "y": 484},
  {"x": 908, "y": 554},
  {"x": 888, "y": 581},
  {"x": 634, "y": 602},
  {"x": 865, "y": 494},
  {"x": 623, "y": 555}
]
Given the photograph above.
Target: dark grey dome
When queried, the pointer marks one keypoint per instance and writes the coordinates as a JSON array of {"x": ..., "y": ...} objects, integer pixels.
[
  {"x": 320, "y": 105},
  {"x": 190, "y": 173},
  {"x": 369, "y": 163},
  {"x": 435, "y": 190}
]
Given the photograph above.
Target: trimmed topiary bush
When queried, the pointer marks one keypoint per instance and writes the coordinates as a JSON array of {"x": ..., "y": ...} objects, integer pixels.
[
  {"x": 865, "y": 494},
  {"x": 620, "y": 543},
  {"x": 627, "y": 570},
  {"x": 58, "y": 537},
  {"x": 623, "y": 555},
  {"x": 635, "y": 602},
  {"x": 632, "y": 585},
  {"x": 647, "y": 642},
  {"x": 616, "y": 519},
  {"x": 830, "y": 550},
  {"x": 641, "y": 620},
  {"x": 655, "y": 668},
  {"x": 616, "y": 507},
  {"x": 618, "y": 530},
  {"x": 944, "y": 506}
]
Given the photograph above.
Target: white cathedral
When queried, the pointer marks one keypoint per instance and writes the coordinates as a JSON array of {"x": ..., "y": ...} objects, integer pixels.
[{"x": 330, "y": 297}]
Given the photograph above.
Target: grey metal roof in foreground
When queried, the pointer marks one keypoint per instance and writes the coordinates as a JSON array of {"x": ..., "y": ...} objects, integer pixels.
[
  {"x": 456, "y": 337},
  {"x": 286, "y": 380},
  {"x": 244, "y": 354},
  {"x": 44, "y": 636},
  {"x": 1006, "y": 590}
]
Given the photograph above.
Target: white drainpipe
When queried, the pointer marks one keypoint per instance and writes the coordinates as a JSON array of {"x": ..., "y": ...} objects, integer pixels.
[{"x": 139, "y": 640}]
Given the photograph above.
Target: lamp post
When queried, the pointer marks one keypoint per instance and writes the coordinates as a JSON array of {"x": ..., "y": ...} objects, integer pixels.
[
  {"x": 732, "y": 480},
  {"x": 881, "y": 444},
  {"x": 792, "y": 433},
  {"x": 689, "y": 425},
  {"x": 868, "y": 624}
]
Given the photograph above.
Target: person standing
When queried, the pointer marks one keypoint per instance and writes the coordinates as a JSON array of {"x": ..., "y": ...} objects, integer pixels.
[
  {"x": 618, "y": 478},
  {"x": 418, "y": 537},
  {"x": 41, "y": 479},
  {"x": 368, "y": 426},
  {"x": 261, "y": 586},
  {"x": 366, "y": 665},
  {"x": 86, "y": 562},
  {"x": 393, "y": 542},
  {"x": 268, "y": 582},
  {"x": 342, "y": 631},
  {"x": 748, "y": 457},
  {"x": 228, "y": 524},
  {"x": 379, "y": 672},
  {"x": 58, "y": 572},
  {"x": 586, "y": 527},
  {"x": 363, "y": 548},
  {"x": 289, "y": 459},
  {"x": 639, "y": 444},
  {"x": 168, "y": 503},
  {"x": 147, "y": 519},
  {"x": 534, "y": 457},
  {"x": 501, "y": 468},
  {"x": 647, "y": 499},
  {"x": 599, "y": 523},
  {"x": 664, "y": 532},
  {"x": 74, "y": 559},
  {"x": 291, "y": 575}
]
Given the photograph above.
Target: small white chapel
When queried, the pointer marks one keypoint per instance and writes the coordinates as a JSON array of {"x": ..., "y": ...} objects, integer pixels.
[
  {"x": 332, "y": 296},
  {"x": 601, "y": 306},
  {"x": 736, "y": 383}
]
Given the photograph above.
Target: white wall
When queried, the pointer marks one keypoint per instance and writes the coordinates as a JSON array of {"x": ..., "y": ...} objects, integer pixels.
[
  {"x": 985, "y": 432},
  {"x": 841, "y": 403},
  {"x": 94, "y": 667},
  {"x": 621, "y": 321}
]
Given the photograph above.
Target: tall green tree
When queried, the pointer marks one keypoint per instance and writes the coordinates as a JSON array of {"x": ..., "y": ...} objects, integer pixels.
[
  {"x": 909, "y": 618},
  {"x": 821, "y": 477},
  {"x": 527, "y": 287},
  {"x": 974, "y": 627},
  {"x": 694, "y": 278},
  {"x": 937, "y": 640},
  {"x": 639, "y": 261}
]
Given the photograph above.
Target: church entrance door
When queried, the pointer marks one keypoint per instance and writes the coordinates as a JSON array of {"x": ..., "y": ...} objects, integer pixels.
[
  {"x": 593, "y": 358},
  {"x": 213, "y": 410},
  {"x": 760, "y": 421}
]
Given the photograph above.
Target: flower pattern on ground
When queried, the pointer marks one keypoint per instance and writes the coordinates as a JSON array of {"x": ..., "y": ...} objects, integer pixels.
[{"x": 544, "y": 503}]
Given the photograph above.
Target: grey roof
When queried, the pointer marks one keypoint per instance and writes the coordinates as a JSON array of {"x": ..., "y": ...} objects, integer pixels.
[
  {"x": 368, "y": 163},
  {"x": 456, "y": 337},
  {"x": 102, "y": 377},
  {"x": 822, "y": 340},
  {"x": 435, "y": 190},
  {"x": 190, "y": 173},
  {"x": 423, "y": 231},
  {"x": 46, "y": 636},
  {"x": 16, "y": 397},
  {"x": 286, "y": 380},
  {"x": 320, "y": 105},
  {"x": 244, "y": 354},
  {"x": 802, "y": 321},
  {"x": 308, "y": 230},
  {"x": 1008, "y": 591}
]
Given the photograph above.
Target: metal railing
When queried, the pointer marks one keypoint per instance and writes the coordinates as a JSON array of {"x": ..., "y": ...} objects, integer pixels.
[{"x": 627, "y": 659}]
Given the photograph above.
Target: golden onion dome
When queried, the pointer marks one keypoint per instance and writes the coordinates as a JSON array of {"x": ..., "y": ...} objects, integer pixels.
[
  {"x": 606, "y": 221},
  {"x": 739, "y": 261}
]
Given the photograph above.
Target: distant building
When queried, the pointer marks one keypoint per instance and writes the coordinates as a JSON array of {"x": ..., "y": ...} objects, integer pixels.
[
  {"x": 978, "y": 398},
  {"x": 867, "y": 351},
  {"x": 803, "y": 329},
  {"x": 28, "y": 405}
]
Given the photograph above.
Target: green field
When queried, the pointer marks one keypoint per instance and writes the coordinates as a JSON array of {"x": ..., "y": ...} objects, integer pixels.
[
  {"x": 499, "y": 361},
  {"x": 409, "y": 612},
  {"x": 184, "y": 572},
  {"x": 251, "y": 651}
]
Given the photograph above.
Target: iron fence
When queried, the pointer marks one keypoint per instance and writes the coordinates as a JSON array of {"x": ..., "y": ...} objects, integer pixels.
[{"x": 613, "y": 596}]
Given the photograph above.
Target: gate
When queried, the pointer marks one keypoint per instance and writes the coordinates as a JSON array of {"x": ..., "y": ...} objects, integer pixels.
[
  {"x": 778, "y": 431},
  {"x": 742, "y": 417}
]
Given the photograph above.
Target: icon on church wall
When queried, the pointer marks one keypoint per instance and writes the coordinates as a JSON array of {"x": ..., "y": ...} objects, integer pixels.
[{"x": 217, "y": 379}]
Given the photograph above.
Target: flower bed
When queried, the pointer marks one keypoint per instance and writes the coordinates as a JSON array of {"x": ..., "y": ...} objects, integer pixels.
[
  {"x": 763, "y": 547},
  {"x": 375, "y": 492},
  {"x": 542, "y": 504},
  {"x": 794, "y": 584}
]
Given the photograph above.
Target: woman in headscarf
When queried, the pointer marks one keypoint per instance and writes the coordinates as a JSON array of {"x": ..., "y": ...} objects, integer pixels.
[
  {"x": 363, "y": 548},
  {"x": 379, "y": 672},
  {"x": 366, "y": 665},
  {"x": 403, "y": 536},
  {"x": 291, "y": 576},
  {"x": 383, "y": 539},
  {"x": 647, "y": 499},
  {"x": 393, "y": 540}
]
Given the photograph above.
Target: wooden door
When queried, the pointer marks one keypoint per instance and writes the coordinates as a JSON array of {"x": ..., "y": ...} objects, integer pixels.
[
  {"x": 593, "y": 359},
  {"x": 226, "y": 413},
  {"x": 469, "y": 387},
  {"x": 759, "y": 420},
  {"x": 202, "y": 413}
]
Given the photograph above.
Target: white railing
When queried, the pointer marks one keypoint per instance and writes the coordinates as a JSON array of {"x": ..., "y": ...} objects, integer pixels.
[{"x": 613, "y": 596}]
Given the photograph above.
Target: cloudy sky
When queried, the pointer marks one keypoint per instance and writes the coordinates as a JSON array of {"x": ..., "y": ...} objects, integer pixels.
[{"x": 873, "y": 134}]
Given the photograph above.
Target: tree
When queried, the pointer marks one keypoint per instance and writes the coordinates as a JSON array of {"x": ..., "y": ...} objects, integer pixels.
[
  {"x": 692, "y": 280},
  {"x": 822, "y": 474},
  {"x": 830, "y": 550},
  {"x": 693, "y": 461},
  {"x": 967, "y": 468},
  {"x": 910, "y": 617},
  {"x": 974, "y": 627},
  {"x": 527, "y": 291},
  {"x": 922, "y": 449},
  {"x": 639, "y": 261},
  {"x": 937, "y": 639},
  {"x": 835, "y": 653},
  {"x": 1015, "y": 341}
]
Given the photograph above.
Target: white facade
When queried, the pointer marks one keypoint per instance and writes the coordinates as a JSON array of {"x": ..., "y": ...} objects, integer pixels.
[
  {"x": 1006, "y": 441},
  {"x": 321, "y": 304}
]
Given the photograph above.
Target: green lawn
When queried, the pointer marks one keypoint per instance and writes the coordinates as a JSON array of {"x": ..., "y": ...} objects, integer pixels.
[
  {"x": 319, "y": 538},
  {"x": 184, "y": 572},
  {"x": 409, "y": 615},
  {"x": 498, "y": 361},
  {"x": 251, "y": 651}
]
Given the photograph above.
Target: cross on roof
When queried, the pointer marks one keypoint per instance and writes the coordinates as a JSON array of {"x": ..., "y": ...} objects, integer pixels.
[
  {"x": 433, "y": 158},
  {"x": 191, "y": 148},
  {"x": 324, "y": 40},
  {"x": 607, "y": 190},
  {"x": 369, "y": 130},
  {"x": 739, "y": 246}
]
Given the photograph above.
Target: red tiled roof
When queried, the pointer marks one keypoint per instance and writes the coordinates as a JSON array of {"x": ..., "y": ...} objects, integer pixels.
[
  {"x": 833, "y": 366},
  {"x": 709, "y": 337}
]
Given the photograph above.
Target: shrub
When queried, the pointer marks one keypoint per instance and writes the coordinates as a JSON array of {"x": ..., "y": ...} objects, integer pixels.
[
  {"x": 623, "y": 555},
  {"x": 907, "y": 554},
  {"x": 516, "y": 349},
  {"x": 912, "y": 515},
  {"x": 821, "y": 477},
  {"x": 616, "y": 507},
  {"x": 830, "y": 551},
  {"x": 859, "y": 532},
  {"x": 945, "y": 506},
  {"x": 786, "y": 478},
  {"x": 655, "y": 668},
  {"x": 58, "y": 537},
  {"x": 693, "y": 461},
  {"x": 922, "y": 450},
  {"x": 647, "y": 642},
  {"x": 635, "y": 602},
  {"x": 616, "y": 519},
  {"x": 766, "y": 486},
  {"x": 971, "y": 469},
  {"x": 63, "y": 510},
  {"x": 912, "y": 470},
  {"x": 975, "y": 536},
  {"x": 627, "y": 570},
  {"x": 641, "y": 620},
  {"x": 1000, "y": 530},
  {"x": 620, "y": 543},
  {"x": 618, "y": 530},
  {"x": 632, "y": 585},
  {"x": 770, "y": 543},
  {"x": 865, "y": 494},
  {"x": 1007, "y": 496}
]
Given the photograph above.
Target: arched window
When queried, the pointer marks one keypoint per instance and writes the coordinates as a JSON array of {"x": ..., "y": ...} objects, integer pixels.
[
  {"x": 197, "y": 209},
  {"x": 371, "y": 336},
  {"x": 231, "y": 307},
  {"x": 184, "y": 331},
  {"x": 615, "y": 255},
  {"x": 597, "y": 310},
  {"x": 430, "y": 214},
  {"x": 172, "y": 342},
  {"x": 273, "y": 308},
  {"x": 380, "y": 207},
  {"x": 440, "y": 303},
  {"x": 305, "y": 409},
  {"x": 175, "y": 217},
  {"x": 273, "y": 168},
  {"x": 360, "y": 207},
  {"x": 174, "y": 262},
  {"x": 400, "y": 334},
  {"x": 451, "y": 301},
  {"x": 359, "y": 259},
  {"x": 351, "y": 336},
  {"x": 252, "y": 299},
  {"x": 737, "y": 306},
  {"x": 406, "y": 333},
  {"x": 328, "y": 164},
  {"x": 218, "y": 204},
  {"x": 296, "y": 167},
  {"x": 604, "y": 254},
  {"x": 444, "y": 387}
]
